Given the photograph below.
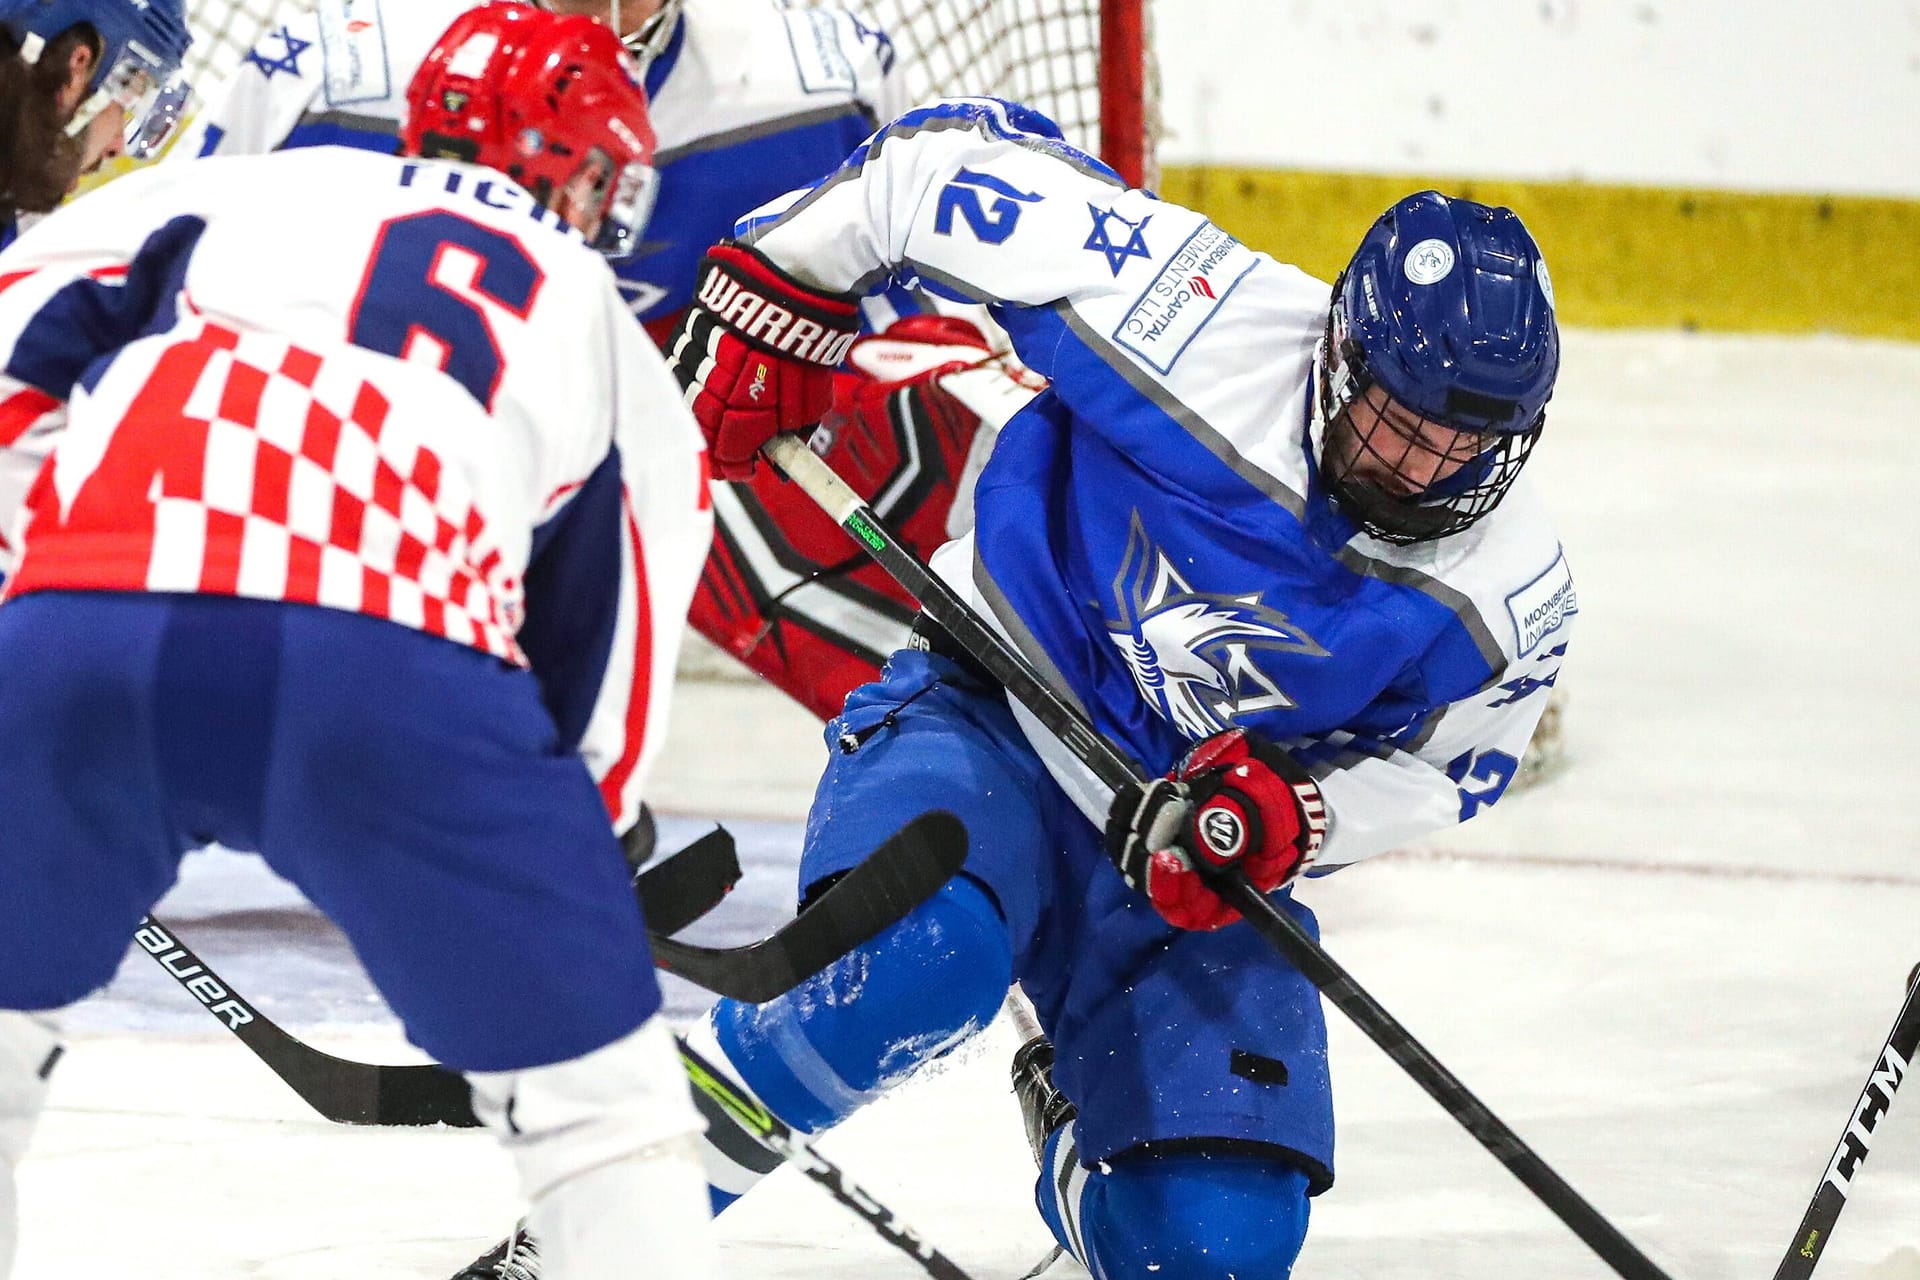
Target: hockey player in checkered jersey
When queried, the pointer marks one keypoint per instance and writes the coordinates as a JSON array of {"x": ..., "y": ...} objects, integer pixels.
[
  {"x": 750, "y": 99},
  {"x": 365, "y": 541},
  {"x": 1273, "y": 538}
]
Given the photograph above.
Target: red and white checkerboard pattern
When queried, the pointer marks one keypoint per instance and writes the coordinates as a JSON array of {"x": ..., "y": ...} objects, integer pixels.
[{"x": 245, "y": 465}]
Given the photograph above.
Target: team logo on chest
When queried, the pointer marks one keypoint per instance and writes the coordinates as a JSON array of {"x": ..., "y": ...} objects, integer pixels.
[{"x": 1192, "y": 652}]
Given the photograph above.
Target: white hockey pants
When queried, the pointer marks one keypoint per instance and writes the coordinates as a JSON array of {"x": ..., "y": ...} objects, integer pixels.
[
  {"x": 28, "y": 1050},
  {"x": 606, "y": 1145}
]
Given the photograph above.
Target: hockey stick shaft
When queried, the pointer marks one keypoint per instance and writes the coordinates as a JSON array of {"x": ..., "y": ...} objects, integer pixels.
[
  {"x": 768, "y": 1130},
  {"x": 1836, "y": 1184},
  {"x": 678, "y": 890},
  {"x": 905, "y": 871},
  {"x": 1067, "y": 723},
  {"x": 342, "y": 1090},
  {"x": 349, "y": 1092}
]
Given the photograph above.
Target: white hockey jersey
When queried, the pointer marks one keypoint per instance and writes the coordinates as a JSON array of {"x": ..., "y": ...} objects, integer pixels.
[
  {"x": 748, "y": 99},
  {"x": 1151, "y": 531},
  {"x": 391, "y": 386}
]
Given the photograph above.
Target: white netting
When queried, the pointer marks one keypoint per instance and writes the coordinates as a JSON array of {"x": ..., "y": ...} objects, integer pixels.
[
  {"x": 1045, "y": 53},
  {"x": 1042, "y": 52},
  {"x": 224, "y": 30}
]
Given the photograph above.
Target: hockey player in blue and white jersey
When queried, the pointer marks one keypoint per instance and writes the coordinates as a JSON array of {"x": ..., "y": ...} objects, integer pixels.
[
  {"x": 1271, "y": 536},
  {"x": 88, "y": 80},
  {"x": 750, "y": 99},
  {"x": 372, "y": 555}
]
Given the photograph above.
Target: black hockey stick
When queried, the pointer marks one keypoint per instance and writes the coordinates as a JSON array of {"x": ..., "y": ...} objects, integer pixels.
[
  {"x": 712, "y": 1090},
  {"x": 870, "y": 898},
  {"x": 342, "y": 1090},
  {"x": 1067, "y": 723},
  {"x": 672, "y": 895},
  {"x": 902, "y": 873},
  {"x": 1830, "y": 1197},
  {"x": 676, "y": 892},
  {"x": 756, "y": 1139}
]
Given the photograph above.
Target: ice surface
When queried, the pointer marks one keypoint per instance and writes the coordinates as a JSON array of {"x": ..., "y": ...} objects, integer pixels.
[{"x": 1669, "y": 969}]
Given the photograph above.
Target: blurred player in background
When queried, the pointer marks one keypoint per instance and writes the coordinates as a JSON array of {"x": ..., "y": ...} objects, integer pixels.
[
  {"x": 331, "y": 561},
  {"x": 1273, "y": 539},
  {"x": 82, "y": 81},
  {"x": 76, "y": 80},
  {"x": 750, "y": 100}
]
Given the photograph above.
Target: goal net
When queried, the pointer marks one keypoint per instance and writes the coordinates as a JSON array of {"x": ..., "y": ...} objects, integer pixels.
[
  {"x": 224, "y": 30},
  {"x": 1085, "y": 63}
]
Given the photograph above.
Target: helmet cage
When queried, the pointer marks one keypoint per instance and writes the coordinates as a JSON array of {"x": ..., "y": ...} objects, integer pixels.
[
  {"x": 1473, "y": 487},
  {"x": 141, "y": 45},
  {"x": 635, "y": 189},
  {"x": 653, "y": 36},
  {"x": 152, "y": 100}
]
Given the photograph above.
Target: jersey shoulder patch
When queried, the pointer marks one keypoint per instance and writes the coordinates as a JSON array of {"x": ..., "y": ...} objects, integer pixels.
[
  {"x": 1543, "y": 606},
  {"x": 353, "y": 52},
  {"x": 820, "y": 56}
]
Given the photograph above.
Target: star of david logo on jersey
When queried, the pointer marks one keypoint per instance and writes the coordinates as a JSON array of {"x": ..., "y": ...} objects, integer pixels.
[
  {"x": 1192, "y": 653},
  {"x": 288, "y": 62},
  {"x": 1134, "y": 245}
]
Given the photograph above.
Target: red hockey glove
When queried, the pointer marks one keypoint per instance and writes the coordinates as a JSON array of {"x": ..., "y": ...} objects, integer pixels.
[
  {"x": 1235, "y": 799},
  {"x": 755, "y": 354}
]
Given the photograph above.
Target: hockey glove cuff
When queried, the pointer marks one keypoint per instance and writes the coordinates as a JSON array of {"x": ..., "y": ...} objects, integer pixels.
[
  {"x": 1233, "y": 800},
  {"x": 755, "y": 354}
]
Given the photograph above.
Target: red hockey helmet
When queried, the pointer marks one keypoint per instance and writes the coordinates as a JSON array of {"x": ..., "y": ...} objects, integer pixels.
[{"x": 553, "y": 102}]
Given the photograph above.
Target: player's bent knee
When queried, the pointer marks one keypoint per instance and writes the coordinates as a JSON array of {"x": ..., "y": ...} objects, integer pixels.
[
  {"x": 918, "y": 990},
  {"x": 1196, "y": 1216}
]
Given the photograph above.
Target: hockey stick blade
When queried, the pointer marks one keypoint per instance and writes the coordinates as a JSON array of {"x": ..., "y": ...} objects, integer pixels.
[
  {"x": 1836, "y": 1183},
  {"x": 672, "y": 895},
  {"x": 675, "y": 893},
  {"x": 906, "y": 870},
  {"x": 341, "y": 1090},
  {"x": 723, "y": 1104}
]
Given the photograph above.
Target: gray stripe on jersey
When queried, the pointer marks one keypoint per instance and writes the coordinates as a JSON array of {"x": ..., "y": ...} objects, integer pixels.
[
  {"x": 1189, "y": 421},
  {"x": 1463, "y": 608},
  {"x": 764, "y": 128},
  {"x": 1008, "y": 621},
  {"x": 353, "y": 120},
  {"x": 1357, "y": 750},
  {"x": 1367, "y": 566},
  {"x": 1069, "y": 1183}
]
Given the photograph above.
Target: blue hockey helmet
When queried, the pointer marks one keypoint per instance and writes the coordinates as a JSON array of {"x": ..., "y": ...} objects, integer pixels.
[
  {"x": 1446, "y": 309},
  {"x": 142, "y": 44}
]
